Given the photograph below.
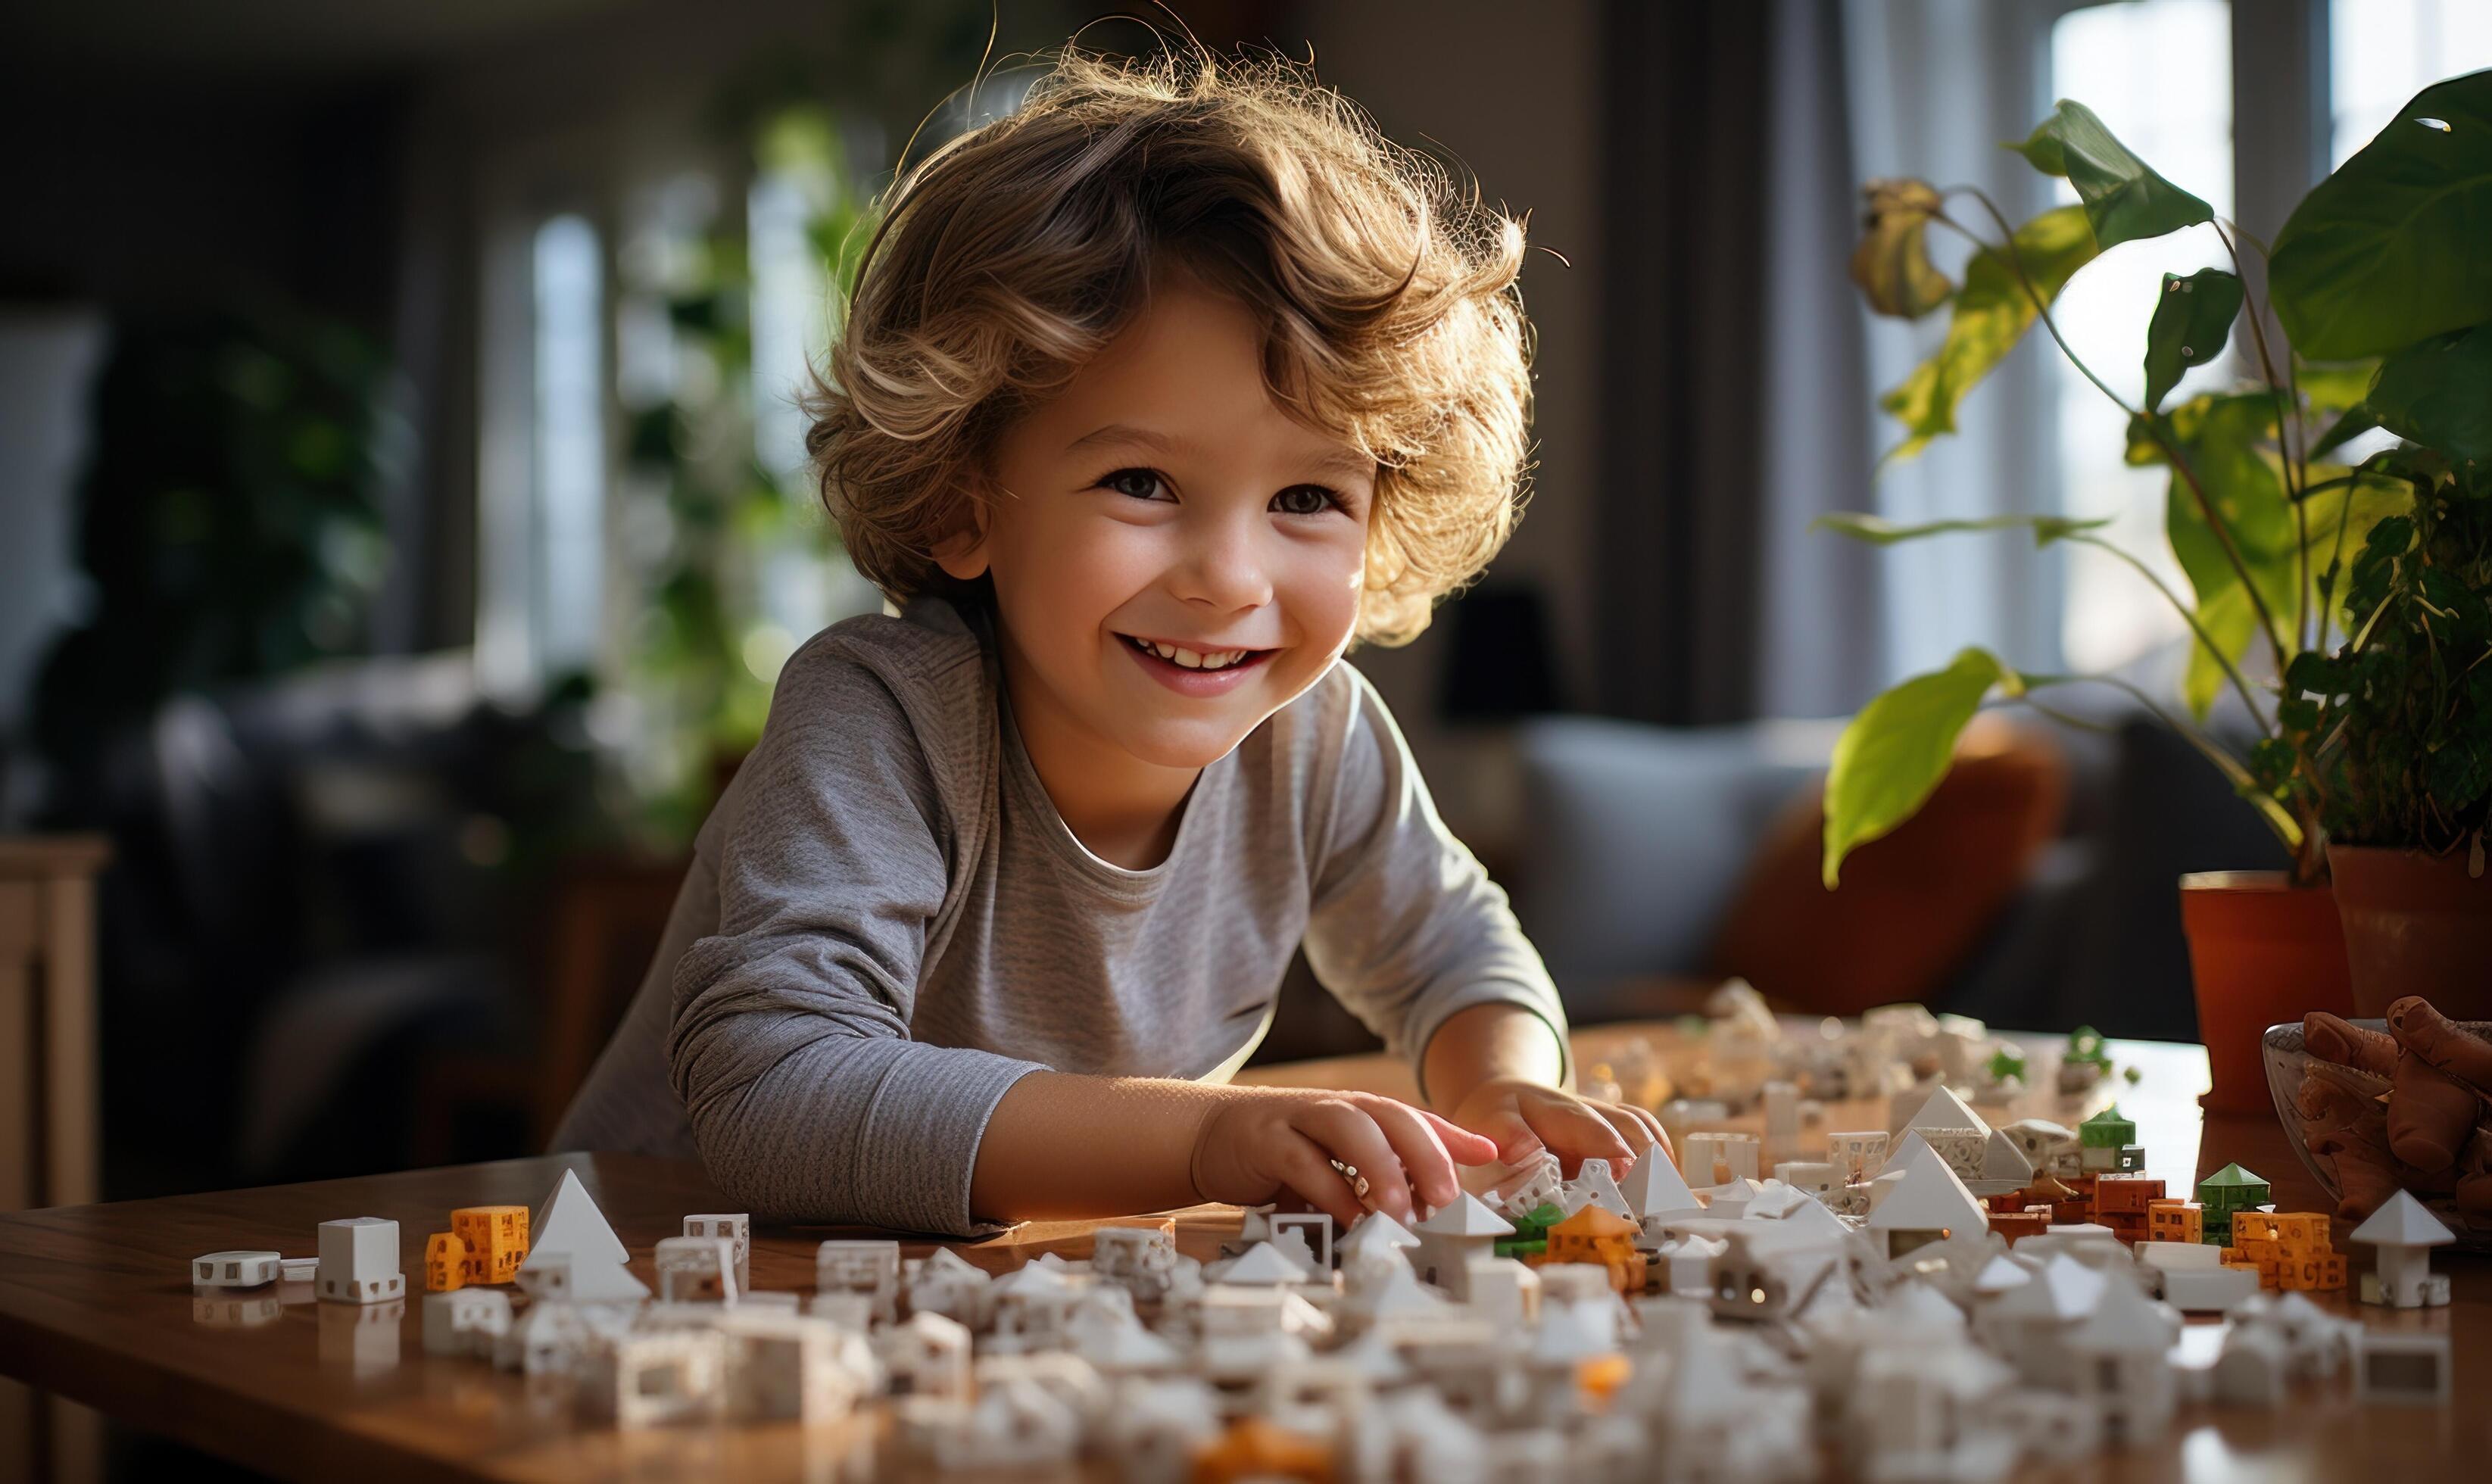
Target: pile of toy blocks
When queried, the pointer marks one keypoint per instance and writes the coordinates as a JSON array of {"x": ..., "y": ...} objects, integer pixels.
[{"x": 2289, "y": 1250}]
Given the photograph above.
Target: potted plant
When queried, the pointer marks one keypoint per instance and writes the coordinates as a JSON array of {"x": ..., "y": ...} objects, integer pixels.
[
  {"x": 2388, "y": 257},
  {"x": 2262, "y": 524}
]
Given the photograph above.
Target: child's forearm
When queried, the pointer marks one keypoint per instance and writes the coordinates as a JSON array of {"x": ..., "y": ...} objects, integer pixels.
[
  {"x": 1485, "y": 1042},
  {"x": 1061, "y": 1145}
]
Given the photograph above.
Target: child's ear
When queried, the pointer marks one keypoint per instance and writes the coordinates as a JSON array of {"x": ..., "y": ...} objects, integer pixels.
[{"x": 963, "y": 555}]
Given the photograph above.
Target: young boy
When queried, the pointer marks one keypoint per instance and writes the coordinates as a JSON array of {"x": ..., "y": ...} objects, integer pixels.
[{"x": 1152, "y": 399}]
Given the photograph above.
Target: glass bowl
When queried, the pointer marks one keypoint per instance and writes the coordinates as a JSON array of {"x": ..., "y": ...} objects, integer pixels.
[{"x": 2282, "y": 1050}]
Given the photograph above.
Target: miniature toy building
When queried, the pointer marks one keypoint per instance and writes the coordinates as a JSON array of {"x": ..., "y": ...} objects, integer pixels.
[
  {"x": 1451, "y": 1238},
  {"x": 1597, "y": 1235},
  {"x": 1928, "y": 1204},
  {"x": 644, "y": 1379},
  {"x": 2407, "y": 1366},
  {"x": 359, "y": 1261},
  {"x": 780, "y": 1367},
  {"x": 1594, "y": 1185},
  {"x": 1717, "y": 1157},
  {"x": 696, "y": 1269},
  {"x": 2101, "y": 1137},
  {"x": 1142, "y": 1258},
  {"x": 868, "y": 1267},
  {"x": 1954, "y": 1132},
  {"x": 1311, "y": 1230},
  {"x": 445, "y": 1262},
  {"x": 927, "y": 1355},
  {"x": 2175, "y": 1221},
  {"x": 1856, "y": 1156},
  {"x": 2290, "y": 1251},
  {"x": 737, "y": 1229},
  {"x": 2122, "y": 1202},
  {"x": 574, "y": 1230},
  {"x": 2219, "y": 1195},
  {"x": 496, "y": 1239},
  {"x": 2401, "y": 1234},
  {"x": 238, "y": 1269},
  {"x": 2193, "y": 1279}
]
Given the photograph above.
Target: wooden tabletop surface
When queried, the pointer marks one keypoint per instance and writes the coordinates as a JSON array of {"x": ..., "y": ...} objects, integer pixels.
[{"x": 95, "y": 1304}]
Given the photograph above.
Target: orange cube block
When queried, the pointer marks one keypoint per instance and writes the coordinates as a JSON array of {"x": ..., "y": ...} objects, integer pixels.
[
  {"x": 496, "y": 1239},
  {"x": 2012, "y": 1201},
  {"x": 2125, "y": 1195},
  {"x": 2176, "y": 1221},
  {"x": 2302, "y": 1227},
  {"x": 445, "y": 1262}
]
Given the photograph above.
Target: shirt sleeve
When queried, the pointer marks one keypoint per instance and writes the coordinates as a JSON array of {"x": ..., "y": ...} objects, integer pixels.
[
  {"x": 1406, "y": 928},
  {"x": 789, "y": 1044}
]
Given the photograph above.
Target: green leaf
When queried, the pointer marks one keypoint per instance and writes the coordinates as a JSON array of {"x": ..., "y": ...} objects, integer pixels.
[
  {"x": 2124, "y": 199},
  {"x": 2356, "y": 421},
  {"x": 2229, "y": 620},
  {"x": 1891, "y": 266},
  {"x": 2332, "y": 386},
  {"x": 2191, "y": 322},
  {"x": 2226, "y": 440},
  {"x": 1880, "y": 531},
  {"x": 2392, "y": 247},
  {"x": 2439, "y": 393},
  {"x": 1893, "y": 756},
  {"x": 1991, "y": 312}
]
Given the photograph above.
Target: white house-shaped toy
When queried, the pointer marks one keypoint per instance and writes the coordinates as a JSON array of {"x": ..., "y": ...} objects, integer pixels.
[
  {"x": 2401, "y": 1234},
  {"x": 359, "y": 1261},
  {"x": 1451, "y": 1237}
]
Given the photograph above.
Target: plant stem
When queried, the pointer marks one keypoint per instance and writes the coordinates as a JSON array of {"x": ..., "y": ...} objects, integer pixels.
[
  {"x": 2189, "y": 617},
  {"x": 2155, "y": 425},
  {"x": 2287, "y": 828},
  {"x": 2285, "y": 420}
]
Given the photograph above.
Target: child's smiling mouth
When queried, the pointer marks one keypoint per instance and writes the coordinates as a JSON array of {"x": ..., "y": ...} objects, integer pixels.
[{"x": 1192, "y": 672}]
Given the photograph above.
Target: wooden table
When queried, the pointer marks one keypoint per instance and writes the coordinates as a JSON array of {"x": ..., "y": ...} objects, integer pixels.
[
  {"x": 49, "y": 1107},
  {"x": 95, "y": 1304}
]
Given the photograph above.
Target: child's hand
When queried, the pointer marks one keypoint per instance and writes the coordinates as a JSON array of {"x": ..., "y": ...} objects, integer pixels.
[
  {"x": 1263, "y": 1140},
  {"x": 1522, "y": 1117}
]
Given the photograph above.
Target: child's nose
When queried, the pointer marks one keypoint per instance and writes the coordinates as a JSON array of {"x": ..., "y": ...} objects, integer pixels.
[{"x": 1225, "y": 565}]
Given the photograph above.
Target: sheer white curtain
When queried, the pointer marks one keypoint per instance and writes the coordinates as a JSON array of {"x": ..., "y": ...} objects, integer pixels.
[{"x": 1934, "y": 87}]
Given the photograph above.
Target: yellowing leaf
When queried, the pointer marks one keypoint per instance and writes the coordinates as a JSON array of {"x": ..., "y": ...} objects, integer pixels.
[{"x": 1991, "y": 312}]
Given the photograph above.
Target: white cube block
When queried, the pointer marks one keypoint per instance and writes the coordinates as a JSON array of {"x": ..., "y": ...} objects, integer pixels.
[
  {"x": 737, "y": 1228},
  {"x": 2208, "y": 1289},
  {"x": 240, "y": 1270},
  {"x": 359, "y": 1261},
  {"x": 465, "y": 1320},
  {"x": 2180, "y": 1256}
]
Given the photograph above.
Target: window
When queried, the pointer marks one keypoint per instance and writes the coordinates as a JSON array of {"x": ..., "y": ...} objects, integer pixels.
[
  {"x": 2382, "y": 52},
  {"x": 2159, "y": 74}
]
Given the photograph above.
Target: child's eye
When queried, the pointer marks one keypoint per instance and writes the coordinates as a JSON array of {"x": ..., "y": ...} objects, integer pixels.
[
  {"x": 1307, "y": 500},
  {"x": 1141, "y": 484}
]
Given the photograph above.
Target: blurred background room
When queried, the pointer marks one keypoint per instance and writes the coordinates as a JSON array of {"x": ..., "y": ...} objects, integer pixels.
[{"x": 403, "y": 512}]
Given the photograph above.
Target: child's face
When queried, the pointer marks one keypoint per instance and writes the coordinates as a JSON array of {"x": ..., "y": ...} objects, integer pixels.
[{"x": 1163, "y": 495}]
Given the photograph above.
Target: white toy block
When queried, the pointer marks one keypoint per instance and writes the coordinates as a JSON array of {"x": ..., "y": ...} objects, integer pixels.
[
  {"x": 359, "y": 1261},
  {"x": 1451, "y": 1237},
  {"x": 781, "y": 1367},
  {"x": 868, "y": 1267},
  {"x": 851, "y": 1312},
  {"x": 2401, "y": 1234},
  {"x": 545, "y": 1341},
  {"x": 1815, "y": 1177},
  {"x": 928, "y": 1355},
  {"x": 1014, "y": 1423},
  {"x": 570, "y": 1231},
  {"x": 2208, "y": 1289},
  {"x": 240, "y": 1270},
  {"x": 696, "y": 1269},
  {"x": 946, "y": 1283},
  {"x": 777, "y": 1300},
  {"x": 1140, "y": 1258},
  {"x": 463, "y": 1322},
  {"x": 1504, "y": 1293},
  {"x": 2407, "y": 1365},
  {"x": 1539, "y": 1181},
  {"x": 298, "y": 1269},
  {"x": 650, "y": 1378},
  {"x": 1782, "y": 1117},
  {"x": 1856, "y": 1154},
  {"x": 1307, "y": 1236},
  {"x": 547, "y": 1277},
  {"x": 737, "y": 1228},
  {"x": 2179, "y": 1256}
]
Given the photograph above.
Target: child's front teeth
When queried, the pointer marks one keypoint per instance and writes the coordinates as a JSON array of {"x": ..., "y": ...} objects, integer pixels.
[{"x": 1192, "y": 659}]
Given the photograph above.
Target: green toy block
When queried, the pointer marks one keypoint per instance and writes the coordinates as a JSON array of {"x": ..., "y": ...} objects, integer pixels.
[
  {"x": 2106, "y": 1130},
  {"x": 2130, "y": 1160},
  {"x": 1508, "y": 1247},
  {"x": 2231, "y": 1189},
  {"x": 2005, "y": 1064},
  {"x": 1530, "y": 1230},
  {"x": 2086, "y": 1047}
]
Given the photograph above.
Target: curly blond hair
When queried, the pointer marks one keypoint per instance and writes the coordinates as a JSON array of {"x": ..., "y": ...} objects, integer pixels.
[{"x": 1009, "y": 257}]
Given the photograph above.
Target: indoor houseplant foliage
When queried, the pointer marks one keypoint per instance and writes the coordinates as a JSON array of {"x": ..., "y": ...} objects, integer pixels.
[
  {"x": 2261, "y": 523},
  {"x": 2391, "y": 257}
]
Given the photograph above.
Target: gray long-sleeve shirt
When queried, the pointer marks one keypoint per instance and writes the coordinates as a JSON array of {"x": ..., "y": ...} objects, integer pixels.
[{"x": 887, "y": 923}]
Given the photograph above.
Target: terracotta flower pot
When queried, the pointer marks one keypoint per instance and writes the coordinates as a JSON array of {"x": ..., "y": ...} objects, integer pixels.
[
  {"x": 2415, "y": 924},
  {"x": 2260, "y": 952}
]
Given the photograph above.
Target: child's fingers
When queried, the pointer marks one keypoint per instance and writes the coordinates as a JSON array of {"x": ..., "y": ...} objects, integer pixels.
[
  {"x": 1636, "y": 1125},
  {"x": 1348, "y": 1134},
  {"x": 1577, "y": 1133},
  {"x": 1423, "y": 1154},
  {"x": 1462, "y": 1146},
  {"x": 1509, "y": 1138},
  {"x": 1302, "y": 1165}
]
